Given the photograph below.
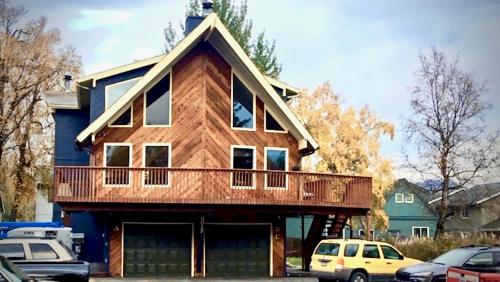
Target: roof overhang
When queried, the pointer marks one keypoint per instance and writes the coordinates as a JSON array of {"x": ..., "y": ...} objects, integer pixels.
[{"x": 211, "y": 29}]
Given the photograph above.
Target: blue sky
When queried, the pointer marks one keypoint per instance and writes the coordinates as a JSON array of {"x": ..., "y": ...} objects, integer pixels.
[{"x": 367, "y": 49}]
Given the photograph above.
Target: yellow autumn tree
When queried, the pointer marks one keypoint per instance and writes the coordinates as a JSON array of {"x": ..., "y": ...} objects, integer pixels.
[{"x": 349, "y": 142}]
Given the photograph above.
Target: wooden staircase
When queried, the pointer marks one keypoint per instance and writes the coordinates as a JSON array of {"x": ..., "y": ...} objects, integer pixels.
[{"x": 322, "y": 226}]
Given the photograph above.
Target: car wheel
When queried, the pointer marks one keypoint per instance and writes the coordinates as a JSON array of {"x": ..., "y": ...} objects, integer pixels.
[{"x": 358, "y": 277}]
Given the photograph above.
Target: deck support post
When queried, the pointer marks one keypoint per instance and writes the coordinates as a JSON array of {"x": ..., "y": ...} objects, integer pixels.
[{"x": 367, "y": 233}]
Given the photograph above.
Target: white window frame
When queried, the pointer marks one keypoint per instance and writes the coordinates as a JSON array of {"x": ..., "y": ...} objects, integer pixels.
[
  {"x": 420, "y": 227},
  {"x": 110, "y": 124},
  {"x": 145, "y": 95},
  {"x": 286, "y": 167},
  {"x": 105, "y": 153},
  {"x": 402, "y": 198},
  {"x": 266, "y": 111},
  {"x": 254, "y": 165},
  {"x": 462, "y": 213},
  {"x": 254, "y": 118},
  {"x": 412, "y": 198},
  {"x": 169, "y": 145}
]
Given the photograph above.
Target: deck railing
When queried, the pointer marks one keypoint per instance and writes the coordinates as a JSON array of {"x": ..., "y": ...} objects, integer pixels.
[{"x": 209, "y": 186}]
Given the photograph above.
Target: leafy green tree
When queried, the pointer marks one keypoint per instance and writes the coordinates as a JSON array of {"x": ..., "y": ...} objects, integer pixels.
[{"x": 235, "y": 18}]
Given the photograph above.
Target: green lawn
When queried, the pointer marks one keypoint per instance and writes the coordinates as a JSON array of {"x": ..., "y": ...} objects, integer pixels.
[{"x": 294, "y": 261}]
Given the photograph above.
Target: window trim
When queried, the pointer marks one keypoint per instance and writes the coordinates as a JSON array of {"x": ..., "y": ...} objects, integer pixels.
[
  {"x": 396, "y": 198},
  {"x": 462, "y": 213},
  {"x": 420, "y": 227},
  {"x": 105, "y": 151},
  {"x": 144, "y": 145},
  {"x": 110, "y": 124},
  {"x": 266, "y": 111},
  {"x": 145, "y": 95},
  {"x": 412, "y": 198},
  {"x": 254, "y": 166},
  {"x": 254, "y": 118},
  {"x": 286, "y": 167}
]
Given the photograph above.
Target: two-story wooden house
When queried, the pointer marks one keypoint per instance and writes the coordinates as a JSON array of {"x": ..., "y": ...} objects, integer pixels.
[{"x": 188, "y": 164}]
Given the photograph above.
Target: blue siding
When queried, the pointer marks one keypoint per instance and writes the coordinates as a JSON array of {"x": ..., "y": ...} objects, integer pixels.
[
  {"x": 97, "y": 102},
  {"x": 403, "y": 216},
  {"x": 95, "y": 249},
  {"x": 68, "y": 124}
]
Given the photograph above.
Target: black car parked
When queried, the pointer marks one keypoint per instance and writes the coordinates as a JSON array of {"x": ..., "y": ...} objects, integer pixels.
[
  {"x": 467, "y": 257},
  {"x": 11, "y": 273}
]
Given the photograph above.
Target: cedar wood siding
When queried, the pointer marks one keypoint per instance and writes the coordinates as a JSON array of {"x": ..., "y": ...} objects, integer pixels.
[{"x": 200, "y": 134}]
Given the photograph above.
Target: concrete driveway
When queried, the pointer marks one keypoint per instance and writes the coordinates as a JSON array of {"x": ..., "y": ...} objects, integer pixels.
[{"x": 287, "y": 279}]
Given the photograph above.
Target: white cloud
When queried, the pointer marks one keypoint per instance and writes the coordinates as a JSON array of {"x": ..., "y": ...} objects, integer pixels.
[
  {"x": 108, "y": 45},
  {"x": 92, "y": 19}
]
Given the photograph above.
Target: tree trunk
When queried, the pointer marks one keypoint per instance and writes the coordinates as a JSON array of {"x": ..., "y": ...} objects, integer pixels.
[{"x": 443, "y": 209}]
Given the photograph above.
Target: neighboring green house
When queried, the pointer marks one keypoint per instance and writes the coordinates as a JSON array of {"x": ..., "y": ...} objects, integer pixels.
[
  {"x": 408, "y": 210},
  {"x": 473, "y": 210}
]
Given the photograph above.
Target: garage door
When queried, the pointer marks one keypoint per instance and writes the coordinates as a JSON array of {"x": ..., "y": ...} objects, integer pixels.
[
  {"x": 237, "y": 250},
  {"x": 157, "y": 250}
]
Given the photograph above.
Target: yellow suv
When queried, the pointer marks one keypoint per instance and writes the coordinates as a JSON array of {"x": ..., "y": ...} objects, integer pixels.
[{"x": 357, "y": 260}]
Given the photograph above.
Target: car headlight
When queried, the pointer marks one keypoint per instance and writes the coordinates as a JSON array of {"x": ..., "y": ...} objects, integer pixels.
[{"x": 422, "y": 274}]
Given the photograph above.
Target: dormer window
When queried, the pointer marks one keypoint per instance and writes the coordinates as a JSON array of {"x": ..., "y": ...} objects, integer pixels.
[
  {"x": 157, "y": 104},
  {"x": 112, "y": 93},
  {"x": 243, "y": 106}
]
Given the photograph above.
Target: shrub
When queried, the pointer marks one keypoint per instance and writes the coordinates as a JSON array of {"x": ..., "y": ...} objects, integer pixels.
[{"x": 425, "y": 249}]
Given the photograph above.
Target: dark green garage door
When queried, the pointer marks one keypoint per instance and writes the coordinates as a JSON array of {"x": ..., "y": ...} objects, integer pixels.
[
  {"x": 157, "y": 250},
  {"x": 237, "y": 250}
]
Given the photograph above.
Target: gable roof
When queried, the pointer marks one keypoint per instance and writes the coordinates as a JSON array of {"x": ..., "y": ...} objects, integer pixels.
[
  {"x": 424, "y": 194},
  {"x": 211, "y": 29},
  {"x": 475, "y": 195}
]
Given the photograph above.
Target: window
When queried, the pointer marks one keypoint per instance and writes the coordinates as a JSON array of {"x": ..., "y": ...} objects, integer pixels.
[
  {"x": 328, "y": 249},
  {"x": 351, "y": 250},
  {"x": 371, "y": 251},
  {"x": 399, "y": 198},
  {"x": 156, "y": 156},
  {"x": 390, "y": 253},
  {"x": 464, "y": 213},
  {"x": 243, "y": 157},
  {"x": 271, "y": 124},
  {"x": 420, "y": 232},
  {"x": 157, "y": 105},
  {"x": 113, "y": 92},
  {"x": 481, "y": 260},
  {"x": 409, "y": 198},
  {"x": 465, "y": 235},
  {"x": 117, "y": 155},
  {"x": 12, "y": 251},
  {"x": 42, "y": 252},
  {"x": 276, "y": 160},
  {"x": 243, "y": 106}
]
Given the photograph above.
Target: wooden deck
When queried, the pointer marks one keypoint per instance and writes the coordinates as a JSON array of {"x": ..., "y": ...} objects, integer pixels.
[{"x": 209, "y": 186}]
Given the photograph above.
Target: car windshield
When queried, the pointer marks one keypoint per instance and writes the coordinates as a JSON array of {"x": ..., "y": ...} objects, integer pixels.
[
  {"x": 11, "y": 271},
  {"x": 454, "y": 257}
]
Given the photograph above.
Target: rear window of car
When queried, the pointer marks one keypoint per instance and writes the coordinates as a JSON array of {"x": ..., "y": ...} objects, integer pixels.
[
  {"x": 351, "y": 250},
  {"x": 42, "y": 252},
  {"x": 371, "y": 251},
  {"x": 328, "y": 249},
  {"x": 12, "y": 251},
  {"x": 481, "y": 260}
]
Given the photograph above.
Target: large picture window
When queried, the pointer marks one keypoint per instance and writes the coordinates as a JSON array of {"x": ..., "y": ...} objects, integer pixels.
[
  {"x": 276, "y": 163},
  {"x": 243, "y": 157},
  {"x": 243, "y": 106},
  {"x": 156, "y": 157},
  {"x": 117, "y": 158},
  {"x": 113, "y": 92},
  {"x": 157, "y": 103}
]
